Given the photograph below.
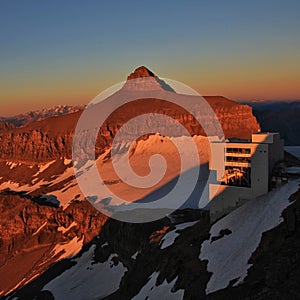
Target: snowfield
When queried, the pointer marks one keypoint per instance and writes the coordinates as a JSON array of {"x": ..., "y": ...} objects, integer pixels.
[
  {"x": 62, "y": 187},
  {"x": 153, "y": 292},
  {"x": 170, "y": 237},
  {"x": 293, "y": 170},
  {"x": 228, "y": 257},
  {"x": 68, "y": 250},
  {"x": 86, "y": 280},
  {"x": 68, "y": 191}
]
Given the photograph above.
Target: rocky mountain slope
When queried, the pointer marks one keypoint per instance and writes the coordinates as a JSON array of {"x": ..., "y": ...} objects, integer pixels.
[
  {"x": 167, "y": 258},
  {"x": 34, "y": 236},
  {"x": 47, "y": 218}
]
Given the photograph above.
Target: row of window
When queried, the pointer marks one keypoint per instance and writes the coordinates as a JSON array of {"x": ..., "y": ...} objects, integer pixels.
[
  {"x": 238, "y": 159},
  {"x": 238, "y": 150}
]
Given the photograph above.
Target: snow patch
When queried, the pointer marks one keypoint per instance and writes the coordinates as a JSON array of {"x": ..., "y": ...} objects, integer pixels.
[
  {"x": 163, "y": 291},
  {"x": 68, "y": 250},
  {"x": 43, "y": 167},
  {"x": 67, "y": 161},
  {"x": 293, "y": 170},
  {"x": 228, "y": 257},
  {"x": 64, "y": 229},
  {"x": 13, "y": 165},
  {"x": 86, "y": 280},
  {"x": 39, "y": 229},
  {"x": 67, "y": 193},
  {"x": 104, "y": 245},
  {"x": 14, "y": 186},
  {"x": 170, "y": 237}
]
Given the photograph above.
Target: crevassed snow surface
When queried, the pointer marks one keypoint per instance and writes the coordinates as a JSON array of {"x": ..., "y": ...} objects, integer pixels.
[
  {"x": 170, "y": 237},
  {"x": 86, "y": 280},
  {"x": 163, "y": 291},
  {"x": 228, "y": 257}
]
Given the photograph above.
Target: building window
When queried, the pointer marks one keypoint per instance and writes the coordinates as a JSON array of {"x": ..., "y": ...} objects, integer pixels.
[
  {"x": 237, "y": 176},
  {"x": 238, "y": 159},
  {"x": 238, "y": 150}
]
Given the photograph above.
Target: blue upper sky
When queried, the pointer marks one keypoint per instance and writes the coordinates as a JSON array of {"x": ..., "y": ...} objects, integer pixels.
[{"x": 68, "y": 51}]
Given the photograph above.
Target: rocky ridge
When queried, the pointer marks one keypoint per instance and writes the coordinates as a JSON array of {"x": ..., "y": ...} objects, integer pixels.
[
  {"x": 51, "y": 138},
  {"x": 140, "y": 248}
]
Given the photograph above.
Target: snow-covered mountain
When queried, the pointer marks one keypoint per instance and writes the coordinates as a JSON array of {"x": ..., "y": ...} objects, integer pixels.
[
  {"x": 181, "y": 256},
  {"x": 249, "y": 254},
  {"x": 37, "y": 115},
  {"x": 55, "y": 244}
]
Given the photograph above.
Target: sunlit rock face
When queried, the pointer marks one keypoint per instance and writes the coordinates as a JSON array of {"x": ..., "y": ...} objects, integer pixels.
[
  {"x": 51, "y": 138},
  {"x": 145, "y": 80},
  {"x": 35, "y": 236}
]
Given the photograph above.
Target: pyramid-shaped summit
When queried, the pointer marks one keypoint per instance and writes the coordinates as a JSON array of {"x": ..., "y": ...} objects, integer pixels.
[
  {"x": 141, "y": 72},
  {"x": 145, "y": 80}
]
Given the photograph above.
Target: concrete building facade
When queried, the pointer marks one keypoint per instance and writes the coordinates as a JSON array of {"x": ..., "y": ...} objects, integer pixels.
[{"x": 248, "y": 167}]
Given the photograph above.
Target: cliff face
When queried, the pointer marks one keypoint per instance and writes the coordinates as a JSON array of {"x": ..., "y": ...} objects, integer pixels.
[
  {"x": 34, "y": 145},
  {"x": 26, "y": 224},
  {"x": 51, "y": 139},
  {"x": 33, "y": 237}
]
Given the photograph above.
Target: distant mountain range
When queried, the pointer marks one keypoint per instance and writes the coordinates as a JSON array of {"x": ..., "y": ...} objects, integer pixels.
[{"x": 37, "y": 115}]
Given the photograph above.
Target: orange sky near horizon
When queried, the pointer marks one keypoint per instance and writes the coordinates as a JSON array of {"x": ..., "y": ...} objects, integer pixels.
[
  {"x": 55, "y": 53},
  {"x": 237, "y": 84}
]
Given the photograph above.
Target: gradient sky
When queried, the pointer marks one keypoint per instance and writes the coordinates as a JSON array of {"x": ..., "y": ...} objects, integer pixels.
[{"x": 66, "y": 52}]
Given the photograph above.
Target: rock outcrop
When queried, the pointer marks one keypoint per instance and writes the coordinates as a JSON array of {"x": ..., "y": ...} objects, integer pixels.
[
  {"x": 51, "y": 138},
  {"x": 132, "y": 245},
  {"x": 30, "y": 232}
]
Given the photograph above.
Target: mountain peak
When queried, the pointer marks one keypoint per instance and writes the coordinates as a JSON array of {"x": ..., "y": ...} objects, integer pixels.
[
  {"x": 141, "y": 72},
  {"x": 145, "y": 80}
]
